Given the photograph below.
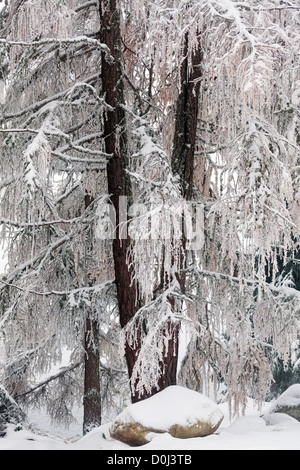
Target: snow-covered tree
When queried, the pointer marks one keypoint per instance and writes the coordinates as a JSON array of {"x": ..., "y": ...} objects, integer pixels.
[
  {"x": 149, "y": 179},
  {"x": 245, "y": 171},
  {"x": 58, "y": 289}
]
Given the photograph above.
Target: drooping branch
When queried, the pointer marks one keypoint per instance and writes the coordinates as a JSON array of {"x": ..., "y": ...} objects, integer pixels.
[
  {"x": 63, "y": 94},
  {"x": 39, "y": 257}
]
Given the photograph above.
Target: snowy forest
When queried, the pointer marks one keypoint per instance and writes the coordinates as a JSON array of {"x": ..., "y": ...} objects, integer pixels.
[{"x": 149, "y": 201}]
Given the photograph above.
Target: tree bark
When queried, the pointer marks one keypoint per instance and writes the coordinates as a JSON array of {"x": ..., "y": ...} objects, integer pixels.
[
  {"x": 169, "y": 367},
  {"x": 118, "y": 181},
  {"x": 92, "y": 395},
  {"x": 119, "y": 185},
  {"x": 183, "y": 155},
  {"x": 92, "y": 388}
]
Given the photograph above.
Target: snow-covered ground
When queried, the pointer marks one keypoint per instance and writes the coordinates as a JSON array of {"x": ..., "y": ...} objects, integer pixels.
[{"x": 250, "y": 432}]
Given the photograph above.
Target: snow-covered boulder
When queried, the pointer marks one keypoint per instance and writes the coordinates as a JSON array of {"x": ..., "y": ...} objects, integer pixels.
[
  {"x": 281, "y": 421},
  {"x": 176, "y": 410},
  {"x": 288, "y": 402}
]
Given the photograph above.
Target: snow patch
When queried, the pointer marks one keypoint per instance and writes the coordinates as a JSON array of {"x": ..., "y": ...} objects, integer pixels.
[{"x": 247, "y": 424}]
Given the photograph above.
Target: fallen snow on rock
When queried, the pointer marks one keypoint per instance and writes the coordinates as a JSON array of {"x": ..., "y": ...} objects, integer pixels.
[
  {"x": 281, "y": 421},
  {"x": 173, "y": 405},
  {"x": 181, "y": 412},
  {"x": 289, "y": 398}
]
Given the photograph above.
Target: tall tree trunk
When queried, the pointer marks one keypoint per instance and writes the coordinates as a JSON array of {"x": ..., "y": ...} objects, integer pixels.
[
  {"x": 118, "y": 182},
  {"x": 119, "y": 185},
  {"x": 92, "y": 389},
  {"x": 183, "y": 154}
]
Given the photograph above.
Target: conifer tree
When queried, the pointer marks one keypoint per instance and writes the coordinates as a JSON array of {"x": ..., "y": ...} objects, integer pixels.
[{"x": 123, "y": 124}]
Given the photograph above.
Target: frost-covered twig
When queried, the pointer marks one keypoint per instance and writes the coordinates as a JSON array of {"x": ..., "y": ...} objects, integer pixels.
[
  {"x": 39, "y": 105},
  {"x": 59, "y": 42},
  {"x": 38, "y": 257},
  {"x": 83, "y": 6},
  {"x": 250, "y": 282},
  {"x": 45, "y": 223},
  {"x": 71, "y": 293}
]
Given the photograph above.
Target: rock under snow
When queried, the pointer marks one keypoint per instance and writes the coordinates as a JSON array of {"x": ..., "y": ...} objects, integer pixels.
[
  {"x": 176, "y": 410},
  {"x": 288, "y": 402}
]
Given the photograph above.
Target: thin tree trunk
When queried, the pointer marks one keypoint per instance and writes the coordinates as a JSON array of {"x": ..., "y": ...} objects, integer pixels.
[
  {"x": 92, "y": 388},
  {"x": 92, "y": 396}
]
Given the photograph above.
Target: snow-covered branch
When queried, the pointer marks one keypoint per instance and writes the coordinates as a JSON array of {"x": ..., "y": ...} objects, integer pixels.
[
  {"x": 45, "y": 223},
  {"x": 85, "y": 5},
  {"x": 51, "y": 131},
  {"x": 284, "y": 291},
  {"x": 45, "y": 252},
  {"x": 56, "y": 99},
  {"x": 71, "y": 294},
  {"x": 58, "y": 42}
]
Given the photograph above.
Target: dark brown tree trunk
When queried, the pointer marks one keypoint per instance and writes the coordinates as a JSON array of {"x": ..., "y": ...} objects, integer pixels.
[
  {"x": 119, "y": 185},
  {"x": 118, "y": 181},
  {"x": 92, "y": 396},
  {"x": 92, "y": 388},
  {"x": 183, "y": 156}
]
